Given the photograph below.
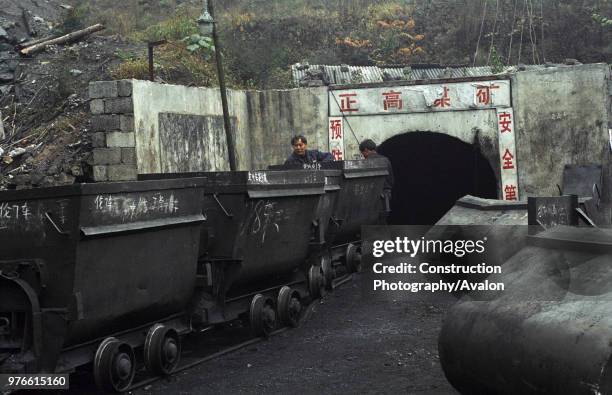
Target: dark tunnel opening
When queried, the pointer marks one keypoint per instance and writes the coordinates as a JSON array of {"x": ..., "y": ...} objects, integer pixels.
[{"x": 432, "y": 171}]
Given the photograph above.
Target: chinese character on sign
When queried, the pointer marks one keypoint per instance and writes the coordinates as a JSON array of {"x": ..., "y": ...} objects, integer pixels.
[
  {"x": 444, "y": 101},
  {"x": 346, "y": 102},
  {"x": 505, "y": 120},
  {"x": 507, "y": 157},
  {"x": 392, "y": 100},
  {"x": 335, "y": 129},
  {"x": 510, "y": 192},
  {"x": 483, "y": 94},
  {"x": 337, "y": 153}
]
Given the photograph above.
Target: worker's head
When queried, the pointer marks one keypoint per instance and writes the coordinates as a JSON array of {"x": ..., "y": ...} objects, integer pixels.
[
  {"x": 366, "y": 147},
  {"x": 299, "y": 145}
]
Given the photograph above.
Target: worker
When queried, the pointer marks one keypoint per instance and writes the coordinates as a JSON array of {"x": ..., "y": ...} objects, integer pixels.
[
  {"x": 302, "y": 155},
  {"x": 368, "y": 150}
]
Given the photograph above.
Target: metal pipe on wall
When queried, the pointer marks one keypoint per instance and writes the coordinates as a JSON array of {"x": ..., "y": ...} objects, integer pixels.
[{"x": 231, "y": 146}]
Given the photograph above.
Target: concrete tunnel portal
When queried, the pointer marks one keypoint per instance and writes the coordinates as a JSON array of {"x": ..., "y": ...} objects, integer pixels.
[{"x": 433, "y": 170}]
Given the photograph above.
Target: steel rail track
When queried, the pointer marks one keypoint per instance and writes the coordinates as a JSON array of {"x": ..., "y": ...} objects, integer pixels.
[{"x": 197, "y": 361}]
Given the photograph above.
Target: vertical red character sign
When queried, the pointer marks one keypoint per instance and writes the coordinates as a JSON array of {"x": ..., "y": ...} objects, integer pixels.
[
  {"x": 507, "y": 154},
  {"x": 336, "y": 138}
]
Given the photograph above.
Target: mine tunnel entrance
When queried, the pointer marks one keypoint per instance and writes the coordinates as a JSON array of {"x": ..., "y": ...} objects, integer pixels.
[{"x": 432, "y": 171}]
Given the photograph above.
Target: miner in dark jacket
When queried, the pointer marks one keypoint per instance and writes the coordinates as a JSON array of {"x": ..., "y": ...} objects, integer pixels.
[
  {"x": 368, "y": 150},
  {"x": 303, "y": 156}
]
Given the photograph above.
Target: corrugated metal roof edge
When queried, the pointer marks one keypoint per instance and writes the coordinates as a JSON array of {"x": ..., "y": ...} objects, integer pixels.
[
  {"x": 419, "y": 82},
  {"x": 423, "y": 75},
  {"x": 367, "y": 74}
]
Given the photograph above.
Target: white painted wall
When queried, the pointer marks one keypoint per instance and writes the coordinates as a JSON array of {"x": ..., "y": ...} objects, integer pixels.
[
  {"x": 264, "y": 122},
  {"x": 459, "y": 124},
  {"x": 560, "y": 117}
]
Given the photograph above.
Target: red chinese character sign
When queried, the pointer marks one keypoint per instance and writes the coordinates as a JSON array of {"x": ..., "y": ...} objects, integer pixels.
[
  {"x": 510, "y": 192},
  {"x": 444, "y": 100},
  {"x": 380, "y": 112},
  {"x": 508, "y": 160},
  {"x": 348, "y": 102},
  {"x": 392, "y": 99},
  {"x": 336, "y": 137},
  {"x": 335, "y": 129},
  {"x": 419, "y": 98},
  {"x": 507, "y": 154},
  {"x": 504, "y": 120},
  {"x": 485, "y": 94}
]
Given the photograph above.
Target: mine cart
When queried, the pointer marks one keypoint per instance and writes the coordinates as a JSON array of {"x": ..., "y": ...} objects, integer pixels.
[
  {"x": 354, "y": 197},
  {"x": 327, "y": 224},
  {"x": 360, "y": 200},
  {"x": 548, "y": 331},
  {"x": 95, "y": 270},
  {"x": 258, "y": 232}
]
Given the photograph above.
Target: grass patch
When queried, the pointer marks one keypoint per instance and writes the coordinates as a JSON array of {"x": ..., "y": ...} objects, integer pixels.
[
  {"x": 175, "y": 28},
  {"x": 173, "y": 64},
  {"x": 132, "y": 68}
]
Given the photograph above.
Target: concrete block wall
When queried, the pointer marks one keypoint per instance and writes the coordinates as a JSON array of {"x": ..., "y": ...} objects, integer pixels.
[
  {"x": 561, "y": 117},
  {"x": 112, "y": 131}
]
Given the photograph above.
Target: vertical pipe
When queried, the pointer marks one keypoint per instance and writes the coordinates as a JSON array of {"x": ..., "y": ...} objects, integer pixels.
[
  {"x": 226, "y": 120},
  {"x": 151, "y": 75}
]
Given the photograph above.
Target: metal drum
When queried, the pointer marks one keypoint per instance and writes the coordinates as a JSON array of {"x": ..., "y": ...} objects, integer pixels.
[{"x": 549, "y": 331}]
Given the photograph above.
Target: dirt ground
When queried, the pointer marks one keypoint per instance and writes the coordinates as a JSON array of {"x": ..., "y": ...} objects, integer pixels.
[{"x": 349, "y": 344}]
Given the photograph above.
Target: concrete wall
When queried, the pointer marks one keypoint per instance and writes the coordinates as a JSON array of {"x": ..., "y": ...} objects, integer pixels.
[
  {"x": 263, "y": 123},
  {"x": 561, "y": 118},
  {"x": 463, "y": 125},
  {"x": 273, "y": 117},
  {"x": 460, "y": 124}
]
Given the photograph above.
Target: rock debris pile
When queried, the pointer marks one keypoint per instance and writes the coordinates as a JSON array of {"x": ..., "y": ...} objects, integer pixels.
[{"x": 44, "y": 120}]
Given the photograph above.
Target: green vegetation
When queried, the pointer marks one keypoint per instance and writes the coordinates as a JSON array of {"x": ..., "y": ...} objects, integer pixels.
[
  {"x": 177, "y": 27},
  {"x": 262, "y": 38},
  {"x": 173, "y": 63}
]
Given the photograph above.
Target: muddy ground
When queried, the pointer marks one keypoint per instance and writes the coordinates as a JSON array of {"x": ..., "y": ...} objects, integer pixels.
[{"x": 349, "y": 344}]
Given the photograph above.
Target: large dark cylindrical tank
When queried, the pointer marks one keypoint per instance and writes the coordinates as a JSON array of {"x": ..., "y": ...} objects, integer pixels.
[
  {"x": 84, "y": 261},
  {"x": 549, "y": 331}
]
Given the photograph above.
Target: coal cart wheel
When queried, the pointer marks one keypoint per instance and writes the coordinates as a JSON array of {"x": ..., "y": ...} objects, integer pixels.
[
  {"x": 328, "y": 272},
  {"x": 353, "y": 258},
  {"x": 316, "y": 282},
  {"x": 162, "y": 350},
  {"x": 289, "y": 307},
  {"x": 262, "y": 315},
  {"x": 114, "y": 365}
]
